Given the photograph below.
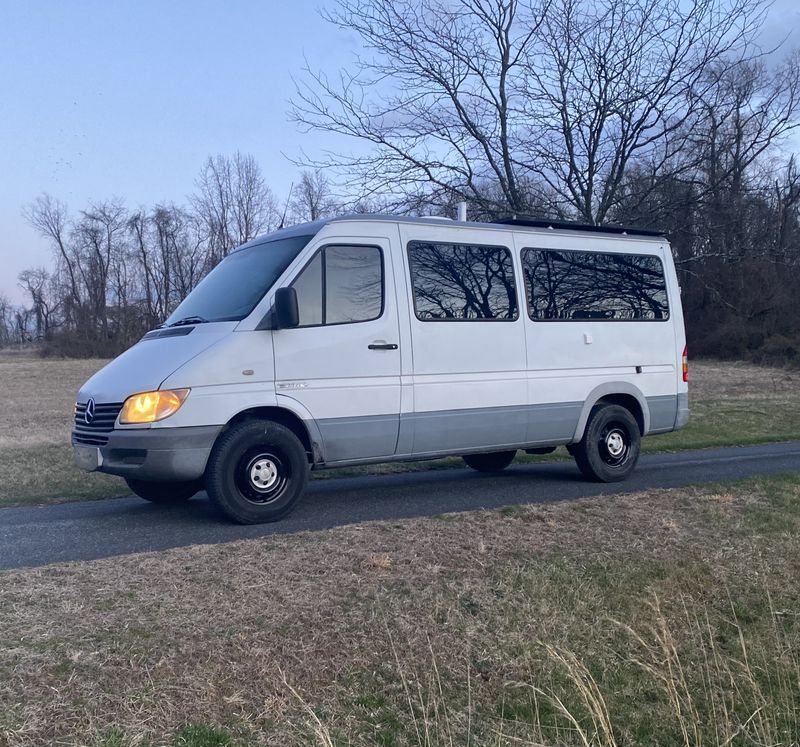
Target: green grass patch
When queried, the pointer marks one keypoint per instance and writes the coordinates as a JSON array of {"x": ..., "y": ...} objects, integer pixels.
[
  {"x": 780, "y": 513},
  {"x": 203, "y": 735},
  {"x": 733, "y": 423}
]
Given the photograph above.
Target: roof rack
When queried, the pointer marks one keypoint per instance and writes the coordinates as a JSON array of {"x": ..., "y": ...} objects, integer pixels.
[{"x": 568, "y": 225}]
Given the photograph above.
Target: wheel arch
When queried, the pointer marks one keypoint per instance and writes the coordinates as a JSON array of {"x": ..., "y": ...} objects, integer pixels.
[
  {"x": 305, "y": 430},
  {"x": 620, "y": 393}
]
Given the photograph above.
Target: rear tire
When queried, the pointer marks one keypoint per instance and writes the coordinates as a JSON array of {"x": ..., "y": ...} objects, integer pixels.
[
  {"x": 164, "y": 492},
  {"x": 256, "y": 472},
  {"x": 495, "y": 462},
  {"x": 609, "y": 449}
]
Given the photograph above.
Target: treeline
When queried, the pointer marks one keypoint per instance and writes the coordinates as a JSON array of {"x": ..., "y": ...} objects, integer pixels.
[
  {"x": 118, "y": 272},
  {"x": 656, "y": 113}
]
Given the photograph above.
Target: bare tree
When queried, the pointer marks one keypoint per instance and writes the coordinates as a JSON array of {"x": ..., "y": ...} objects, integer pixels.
[
  {"x": 233, "y": 202},
  {"x": 549, "y": 102},
  {"x": 745, "y": 111},
  {"x": 312, "y": 197},
  {"x": 612, "y": 82},
  {"x": 51, "y": 219},
  {"x": 37, "y": 283},
  {"x": 100, "y": 239},
  {"x": 170, "y": 255},
  {"x": 436, "y": 98},
  {"x": 787, "y": 199},
  {"x": 6, "y": 321}
]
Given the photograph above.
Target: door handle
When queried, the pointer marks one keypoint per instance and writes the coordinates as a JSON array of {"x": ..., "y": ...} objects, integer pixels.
[{"x": 382, "y": 346}]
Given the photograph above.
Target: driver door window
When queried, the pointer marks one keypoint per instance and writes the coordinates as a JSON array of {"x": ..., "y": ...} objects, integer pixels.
[{"x": 341, "y": 285}]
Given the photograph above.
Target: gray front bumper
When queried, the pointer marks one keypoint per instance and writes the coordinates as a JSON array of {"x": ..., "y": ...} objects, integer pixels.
[{"x": 163, "y": 454}]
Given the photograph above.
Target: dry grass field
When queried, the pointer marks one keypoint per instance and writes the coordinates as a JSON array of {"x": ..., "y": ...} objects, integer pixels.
[
  {"x": 35, "y": 452},
  {"x": 660, "y": 618},
  {"x": 732, "y": 404}
]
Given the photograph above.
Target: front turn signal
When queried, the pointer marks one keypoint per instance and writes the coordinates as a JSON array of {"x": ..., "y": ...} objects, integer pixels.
[{"x": 149, "y": 407}]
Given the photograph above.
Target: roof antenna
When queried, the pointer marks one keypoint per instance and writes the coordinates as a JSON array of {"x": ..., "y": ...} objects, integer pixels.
[{"x": 286, "y": 206}]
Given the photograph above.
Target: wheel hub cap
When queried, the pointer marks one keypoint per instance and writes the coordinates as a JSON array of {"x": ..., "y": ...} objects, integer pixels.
[
  {"x": 615, "y": 443},
  {"x": 263, "y": 473}
]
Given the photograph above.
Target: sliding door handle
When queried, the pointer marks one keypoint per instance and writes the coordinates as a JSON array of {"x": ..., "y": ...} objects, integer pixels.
[{"x": 382, "y": 346}]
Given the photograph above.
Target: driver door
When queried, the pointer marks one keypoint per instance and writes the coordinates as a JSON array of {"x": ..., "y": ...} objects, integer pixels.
[{"x": 342, "y": 363}]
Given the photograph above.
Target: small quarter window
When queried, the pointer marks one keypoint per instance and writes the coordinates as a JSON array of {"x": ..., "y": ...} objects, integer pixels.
[{"x": 309, "y": 293}]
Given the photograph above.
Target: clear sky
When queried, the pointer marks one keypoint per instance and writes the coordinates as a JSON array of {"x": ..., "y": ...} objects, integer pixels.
[
  {"x": 103, "y": 98},
  {"x": 123, "y": 98}
]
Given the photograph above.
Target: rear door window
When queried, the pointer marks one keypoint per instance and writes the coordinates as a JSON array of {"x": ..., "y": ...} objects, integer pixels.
[{"x": 462, "y": 282}]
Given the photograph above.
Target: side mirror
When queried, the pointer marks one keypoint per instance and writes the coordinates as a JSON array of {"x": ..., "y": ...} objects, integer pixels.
[{"x": 287, "y": 314}]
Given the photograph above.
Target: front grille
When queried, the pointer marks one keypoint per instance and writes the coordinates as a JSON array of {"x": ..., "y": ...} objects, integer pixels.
[{"x": 95, "y": 433}]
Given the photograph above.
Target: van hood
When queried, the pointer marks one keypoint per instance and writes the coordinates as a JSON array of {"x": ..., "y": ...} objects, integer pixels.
[{"x": 150, "y": 361}]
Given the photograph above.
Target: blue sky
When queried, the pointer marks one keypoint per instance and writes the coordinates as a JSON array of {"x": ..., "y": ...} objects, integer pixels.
[
  {"x": 120, "y": 98},
  {"x": 123, "y": 98}
]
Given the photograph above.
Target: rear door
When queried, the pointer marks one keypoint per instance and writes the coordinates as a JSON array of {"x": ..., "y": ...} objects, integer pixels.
[{"x": 342, "y": 364}]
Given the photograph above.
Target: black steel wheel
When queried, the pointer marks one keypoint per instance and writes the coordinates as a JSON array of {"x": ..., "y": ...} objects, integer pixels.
[
  {"x": 256, "y": 472},
  {"x": 494, "y": 462},
  {"x": 609, "y": 449}
]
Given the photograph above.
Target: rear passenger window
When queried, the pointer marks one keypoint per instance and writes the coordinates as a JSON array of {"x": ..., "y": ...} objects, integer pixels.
[
  {"x": 342, "y": 284},
  {"x": 462, "y": 282},
  {"x": 574, "y": 285}
]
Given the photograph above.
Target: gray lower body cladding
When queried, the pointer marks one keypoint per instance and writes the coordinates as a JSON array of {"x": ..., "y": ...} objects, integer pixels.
[
  {"x": 171, "y": 454},
  {"x": 441, "y": 433},
  {"x": 163, "y": 454}
]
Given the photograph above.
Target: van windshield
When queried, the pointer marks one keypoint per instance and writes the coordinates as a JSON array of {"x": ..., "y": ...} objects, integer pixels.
[{"x": 234, "y": 287}]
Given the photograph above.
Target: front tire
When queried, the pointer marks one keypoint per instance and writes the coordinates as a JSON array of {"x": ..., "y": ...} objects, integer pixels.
[
  {"x": 256, "y": 472},
  {"x": 609, "y": 449},
  {"x": 164, "y": 492},
  {"x": 495, "y": 462}
]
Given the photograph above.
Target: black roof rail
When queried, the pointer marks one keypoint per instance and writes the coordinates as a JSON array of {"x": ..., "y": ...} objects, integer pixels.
[{"x": 568, "y": 225}]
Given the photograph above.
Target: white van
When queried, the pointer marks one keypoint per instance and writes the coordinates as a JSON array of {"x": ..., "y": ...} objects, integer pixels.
[{"x": 368, "y": 339}]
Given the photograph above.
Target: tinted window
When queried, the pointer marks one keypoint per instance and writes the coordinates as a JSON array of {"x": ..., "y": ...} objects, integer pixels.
[
  {"x": 234, "y": 287},
  {"x": 459, "y": 282},
  {"x": 341, "y": 284},
  {"x": 565, "y": 285}
]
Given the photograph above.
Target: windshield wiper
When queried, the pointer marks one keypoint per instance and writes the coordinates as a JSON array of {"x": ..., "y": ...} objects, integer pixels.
[{"x": 188, "y": 320}]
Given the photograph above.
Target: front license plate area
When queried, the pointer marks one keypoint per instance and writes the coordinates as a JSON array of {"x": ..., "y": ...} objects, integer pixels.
[{"x": 87, "y": 458}]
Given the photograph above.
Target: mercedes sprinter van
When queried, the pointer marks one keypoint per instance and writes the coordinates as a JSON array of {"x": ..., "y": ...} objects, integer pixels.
[{"x": 366, "y": 339}]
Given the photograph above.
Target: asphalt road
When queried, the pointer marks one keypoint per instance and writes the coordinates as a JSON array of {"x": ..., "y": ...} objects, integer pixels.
[{"x": 39, "y": 535}]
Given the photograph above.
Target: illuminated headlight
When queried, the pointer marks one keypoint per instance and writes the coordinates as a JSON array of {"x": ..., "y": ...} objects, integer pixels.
[{"x": 148, "y": 407}]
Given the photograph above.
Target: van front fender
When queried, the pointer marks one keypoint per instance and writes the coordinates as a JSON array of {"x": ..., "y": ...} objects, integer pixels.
[{"x": 314, "y": 433}]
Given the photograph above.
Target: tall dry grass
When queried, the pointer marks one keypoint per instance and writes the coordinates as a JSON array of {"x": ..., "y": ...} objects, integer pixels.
[{"x": 709, "y": 693}]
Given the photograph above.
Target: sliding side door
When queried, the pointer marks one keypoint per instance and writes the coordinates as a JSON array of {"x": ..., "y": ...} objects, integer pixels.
[{"x": 468, "y": 340}]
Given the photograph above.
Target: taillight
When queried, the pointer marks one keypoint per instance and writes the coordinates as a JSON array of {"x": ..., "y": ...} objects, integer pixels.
[{"x": 685, "y": 362}]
